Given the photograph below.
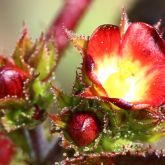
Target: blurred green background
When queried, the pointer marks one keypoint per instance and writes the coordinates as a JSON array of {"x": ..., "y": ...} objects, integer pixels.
[{"x": 38, "y": 15}]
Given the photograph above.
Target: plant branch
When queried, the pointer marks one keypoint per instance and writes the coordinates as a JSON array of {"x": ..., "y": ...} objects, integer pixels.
[
  {"x": 54, "y": 152},
  {"x": 69, "y": 17},
  {"x": 37, "y": 143}
]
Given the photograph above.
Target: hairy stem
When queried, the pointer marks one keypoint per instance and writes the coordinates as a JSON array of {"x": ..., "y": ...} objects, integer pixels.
[{"x": 69, "y": 17}]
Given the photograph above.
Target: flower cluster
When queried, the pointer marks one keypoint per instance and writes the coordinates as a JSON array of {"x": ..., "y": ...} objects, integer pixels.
[
  {"x": 126, "y": 65},
  {"x": 118, "y": 96}
]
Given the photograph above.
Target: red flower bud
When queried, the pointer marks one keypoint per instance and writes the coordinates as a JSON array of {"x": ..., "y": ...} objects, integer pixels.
[
  {"x": 6, "y": 150},
  {"x": 12, "y": 81},
  {"x": 83, "y": 128}
]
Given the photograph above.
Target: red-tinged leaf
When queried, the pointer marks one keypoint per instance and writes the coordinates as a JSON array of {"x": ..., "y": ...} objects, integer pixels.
[
  {"x": 87, "y": 93},
  {"x": 39, "y": 56},
  {"x": 80, "y": 42},
  {"x": 5, "y": 61},
  {"x": 57, "y": 120},
  {"x": 23, "y": 51}
]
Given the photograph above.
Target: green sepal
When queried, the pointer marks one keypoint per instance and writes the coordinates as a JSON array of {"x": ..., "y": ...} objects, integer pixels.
[
  {"x": 44, "y": 59},
  {"x": 40, "y": 93},
  {"x": 23, "y": 51},
  {"x": 116, "y": 145},
  {"x": 39, "y": 56},
  {"x": 11, "y": 102},
  {"x": 64, "y": 100},
  {"x": 18, "y": 118}
]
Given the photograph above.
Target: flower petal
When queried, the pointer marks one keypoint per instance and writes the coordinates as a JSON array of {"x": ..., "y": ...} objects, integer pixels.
[
  {"x": 144, "y": 47},
  {"x": 102, "y": 46},
  {"x": 103, "y": 43},
  {"x": 88, "y": 65},
  {"x": 129, "y": 69},
  {"x": 143, "y": 42}
]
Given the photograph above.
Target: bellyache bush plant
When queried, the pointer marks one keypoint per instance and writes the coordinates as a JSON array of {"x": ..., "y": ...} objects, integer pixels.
[{"x": 117, "y": 101}]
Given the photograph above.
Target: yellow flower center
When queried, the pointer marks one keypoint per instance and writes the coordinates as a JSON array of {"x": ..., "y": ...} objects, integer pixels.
[{"x": 124, "y": 78}]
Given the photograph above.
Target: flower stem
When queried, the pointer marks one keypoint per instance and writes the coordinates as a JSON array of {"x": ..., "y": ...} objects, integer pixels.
[
  {"x": 41, "y": 151},
  {"x": 36, "y": 142},
  {"x": 54, "y": 152},
  {"x": 69, "y": 17}
]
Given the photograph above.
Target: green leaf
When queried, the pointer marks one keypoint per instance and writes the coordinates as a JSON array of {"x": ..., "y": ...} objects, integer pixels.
[
  {"x": 23, "y": 51},
  {"x": 115, "y": 145},
  {"x": 11, "y": 102},
  {"x": 47, "y": 62},
  {"x": 17, "y": 118},
  {"x": 41, "y": 94},
  {"x": 41, "y": 55},
  {"x": 43, "y": 59}
]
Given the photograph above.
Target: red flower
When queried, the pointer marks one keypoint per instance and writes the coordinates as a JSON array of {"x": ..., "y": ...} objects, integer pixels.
[
  {"x": 6, "y": 150},
  {"x": 126, "y": 65},
  {"x": 12, "y": 81},
  {"x": 83, "y": 128}
]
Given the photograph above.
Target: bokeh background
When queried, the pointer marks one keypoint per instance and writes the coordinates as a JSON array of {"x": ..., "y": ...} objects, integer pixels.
[{"x": 39, "y": 14}]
